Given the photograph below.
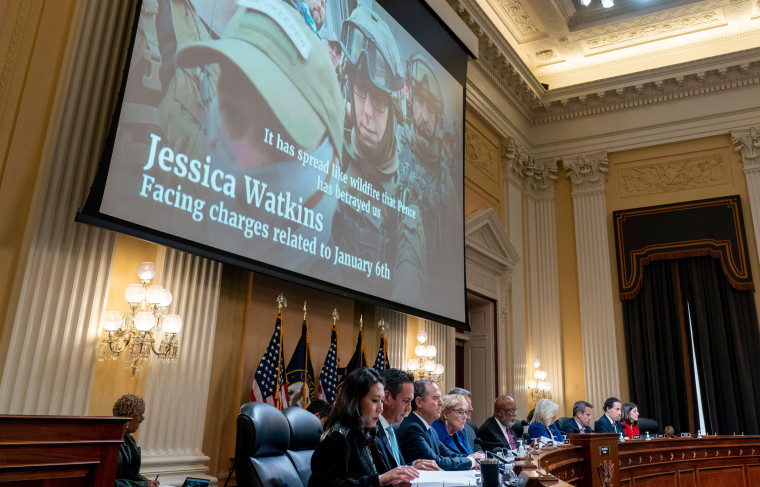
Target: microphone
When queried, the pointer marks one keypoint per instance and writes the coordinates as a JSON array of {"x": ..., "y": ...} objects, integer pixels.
[{"x": 498, "y": 457}]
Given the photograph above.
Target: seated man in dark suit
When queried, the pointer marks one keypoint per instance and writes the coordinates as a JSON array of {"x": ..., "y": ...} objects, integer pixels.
[
  {"x": 470, "y": 428},
  {"x": 417, "y": 440},
  {"x": 579, "y": 423},
  {"x": 397, "y": 402},
  {"x": 502, "y": 430},
  {"x": 610, "y": 420}
]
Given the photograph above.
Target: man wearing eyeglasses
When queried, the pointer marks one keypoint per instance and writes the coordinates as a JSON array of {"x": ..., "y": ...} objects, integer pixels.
[
  {"x": 498, "y": 431},
  {"x": 380, "y": 233},
  {"x": 423, "y": 165}
]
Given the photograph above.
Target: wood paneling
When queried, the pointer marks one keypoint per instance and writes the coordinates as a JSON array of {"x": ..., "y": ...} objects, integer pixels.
[{"x": 59, "y": 451}]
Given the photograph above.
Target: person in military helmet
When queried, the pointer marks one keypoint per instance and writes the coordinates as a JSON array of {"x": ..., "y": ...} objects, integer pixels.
[
  {"x": 373, "y": 80},
  {"x": 424, "y": 166},
  {"x": 277, "y": 99}
]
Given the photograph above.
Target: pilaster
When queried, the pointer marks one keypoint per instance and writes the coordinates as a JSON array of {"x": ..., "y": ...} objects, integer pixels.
[
  {"x": 51, "y": 329},
  {"x": 600, "y": 361},
  {"x": 177, "y": 393},
  {"x": 747, "y": 142},
  {"x": 514, "y": 343},
  {"x": 545, "y": 327}
]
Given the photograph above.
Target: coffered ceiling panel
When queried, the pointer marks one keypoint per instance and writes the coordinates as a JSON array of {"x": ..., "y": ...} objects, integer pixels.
[{"x": 563, "y": 43}]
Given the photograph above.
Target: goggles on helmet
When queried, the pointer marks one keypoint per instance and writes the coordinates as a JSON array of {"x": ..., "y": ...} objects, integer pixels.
[
  {"x": 422, "y": 76},
  {"x": 355, "y": 43}
]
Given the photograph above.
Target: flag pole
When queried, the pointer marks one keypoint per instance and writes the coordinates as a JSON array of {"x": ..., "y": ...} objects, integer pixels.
[
  {"x": 306, "y": 360},
  {"x": 281, "y": 303}
]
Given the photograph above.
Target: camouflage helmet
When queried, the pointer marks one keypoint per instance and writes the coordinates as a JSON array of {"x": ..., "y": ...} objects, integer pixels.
[
  {"x": 368, "y": 44},
  {"x": 286, "y": 62},
  {"x": 422, "y": 81}
]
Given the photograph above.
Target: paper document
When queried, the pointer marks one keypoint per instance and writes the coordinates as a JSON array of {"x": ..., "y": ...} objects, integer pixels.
[{"x": 440, "y": 478}]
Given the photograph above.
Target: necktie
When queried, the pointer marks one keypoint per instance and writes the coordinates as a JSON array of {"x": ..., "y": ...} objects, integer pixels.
[
  {"x": 394, "y": 444},
  {"x": 511, "y": 440}
]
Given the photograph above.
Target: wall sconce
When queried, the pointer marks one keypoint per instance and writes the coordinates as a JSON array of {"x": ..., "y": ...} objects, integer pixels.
[
  {"x": 424, "y": 366},
  {"x": 142, "y": 324},
  {"x": 539, "y": 388}
]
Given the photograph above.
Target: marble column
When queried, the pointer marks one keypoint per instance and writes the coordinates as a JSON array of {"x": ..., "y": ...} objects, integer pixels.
[
  {"x": 172, "y": 436},
  {"x": 595, "y": 287},
  {"x": 544, "y": 322},
  {"x": 748, "y": 143},
  {"x": 512, "y": 345},
  {"x": 51, "y": 330}
]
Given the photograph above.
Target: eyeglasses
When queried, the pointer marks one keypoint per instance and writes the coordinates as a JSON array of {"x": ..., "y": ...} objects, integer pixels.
[
  {"x": 461, "y": 412},
  {"x": 355, "y": 43},
  {"x": 379, "y": 100}
]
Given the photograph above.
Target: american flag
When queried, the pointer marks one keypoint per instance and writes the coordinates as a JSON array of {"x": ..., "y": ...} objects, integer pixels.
[
  {"x": 269, "y": 383},
  {"x": 381, "y": 361},
  {"x": 328, "y": 378}
]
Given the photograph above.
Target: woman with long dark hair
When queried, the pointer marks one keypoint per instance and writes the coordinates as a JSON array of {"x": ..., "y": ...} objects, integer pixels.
[
  {"x": 347, "y": 454},
  {"x": 630, "y": 419}
]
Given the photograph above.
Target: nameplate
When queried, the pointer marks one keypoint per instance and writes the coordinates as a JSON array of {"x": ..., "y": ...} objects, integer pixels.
[
  {"x": 566, "y": 442},
  {"x": 636, "y": 437},
  {"x": 604, "y": 450},
  {"x": 549, "y": 443},
  {"x": 685, "y": 434},
  {"x": 660, "y": 436}
]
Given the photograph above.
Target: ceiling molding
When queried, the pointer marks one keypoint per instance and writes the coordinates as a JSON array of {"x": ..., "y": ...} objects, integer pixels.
[{"x": 503, "y": 66}]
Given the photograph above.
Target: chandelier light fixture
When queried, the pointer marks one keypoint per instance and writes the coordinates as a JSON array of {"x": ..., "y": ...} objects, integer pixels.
[
  {"x": 539, "y": 388},
  {"x": 143, "y": 324},
  {"x": 424, "y": 366},
  {"x": 605, "y": 3}
]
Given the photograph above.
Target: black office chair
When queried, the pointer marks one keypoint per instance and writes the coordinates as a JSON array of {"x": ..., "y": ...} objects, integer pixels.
[
  {"x": 263, "y": 436},
  {"x": 646, "y": 424},
  {"x": 561, "y": 423},
  {"x": 305, "y": 431}
]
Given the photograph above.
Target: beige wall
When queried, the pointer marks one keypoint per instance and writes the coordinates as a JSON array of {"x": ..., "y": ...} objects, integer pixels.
[{"x": 33, "y": 40}]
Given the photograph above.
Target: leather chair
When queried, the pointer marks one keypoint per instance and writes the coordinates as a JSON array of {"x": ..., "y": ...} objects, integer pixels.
[
  {"x": 646, "y": 424},
  {"x": 263, "y": 436},
  {"x": 305, "y": 432}
]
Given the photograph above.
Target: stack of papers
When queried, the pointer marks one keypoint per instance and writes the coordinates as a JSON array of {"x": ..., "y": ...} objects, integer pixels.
[{"x": 440, "y": 478}]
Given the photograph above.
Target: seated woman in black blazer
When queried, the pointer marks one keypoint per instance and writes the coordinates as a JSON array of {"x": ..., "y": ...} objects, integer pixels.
[{"x": 347, "y": 454}]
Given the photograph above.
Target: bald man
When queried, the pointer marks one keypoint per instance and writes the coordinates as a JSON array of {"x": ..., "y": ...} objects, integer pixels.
[{"x": 502, "y": 430}]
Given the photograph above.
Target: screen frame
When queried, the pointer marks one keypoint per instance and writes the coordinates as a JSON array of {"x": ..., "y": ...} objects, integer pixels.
[{"x": 90, "y": 211}]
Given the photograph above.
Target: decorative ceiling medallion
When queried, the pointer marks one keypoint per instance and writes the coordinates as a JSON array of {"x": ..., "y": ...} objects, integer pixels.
[
  {"x": 521, "y": 23},
  {"x": 654, "y": 32},
  {"x": 545, "y": 57}
]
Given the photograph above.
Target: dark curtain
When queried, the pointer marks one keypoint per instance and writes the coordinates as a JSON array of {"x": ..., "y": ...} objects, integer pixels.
[
  {"x": 726, "y": 340},
  {"x": 654, "y": 343},
  {"x": 727, "y": 344}
]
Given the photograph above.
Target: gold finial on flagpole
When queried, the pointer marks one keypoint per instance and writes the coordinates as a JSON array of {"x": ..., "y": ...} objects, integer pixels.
[
  {"x": 281, "y": 302},
  {"x": 382, "y": 324},
  {"x": 335, "y": 315},
  {"x": 304, "y": 310}
]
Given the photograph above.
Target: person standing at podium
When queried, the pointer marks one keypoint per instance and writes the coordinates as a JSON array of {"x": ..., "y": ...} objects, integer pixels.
[
  {"x": 128, "y": 468},
  {"x": 610, "y": 420}
]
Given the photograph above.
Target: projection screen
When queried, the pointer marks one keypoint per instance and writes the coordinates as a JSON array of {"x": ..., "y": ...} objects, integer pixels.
[{"x": 312, "y": 140}]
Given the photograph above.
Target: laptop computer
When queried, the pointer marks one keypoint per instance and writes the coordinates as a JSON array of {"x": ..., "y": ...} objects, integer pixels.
[{"x": 193, "y": 482}]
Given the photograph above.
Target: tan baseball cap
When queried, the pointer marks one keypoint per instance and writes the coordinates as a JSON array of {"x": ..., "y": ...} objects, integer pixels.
[{"x": 289, "y": 65}]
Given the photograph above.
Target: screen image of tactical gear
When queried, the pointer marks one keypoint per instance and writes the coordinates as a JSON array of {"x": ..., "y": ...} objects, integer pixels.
[{"x": 313, "y": 136}]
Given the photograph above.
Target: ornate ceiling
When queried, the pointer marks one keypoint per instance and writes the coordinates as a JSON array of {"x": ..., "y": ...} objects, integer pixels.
[
  {"x": 563, "y": 43},
  {"x": 557, "y": 59}
]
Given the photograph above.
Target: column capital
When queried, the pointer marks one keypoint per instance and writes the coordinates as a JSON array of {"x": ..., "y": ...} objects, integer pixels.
[
  {"x": 515, "y": 158},
  {"x": 542, "y": 175},
  {"x": 586, "y": 172},
  {"x": 748, "y": 143}
]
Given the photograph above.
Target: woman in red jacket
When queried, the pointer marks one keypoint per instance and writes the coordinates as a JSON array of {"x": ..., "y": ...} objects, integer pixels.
[{"x": 630, "y": 420}]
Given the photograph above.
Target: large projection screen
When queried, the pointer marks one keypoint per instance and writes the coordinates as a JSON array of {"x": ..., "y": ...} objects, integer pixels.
[{"x": 313, "y": 140}]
